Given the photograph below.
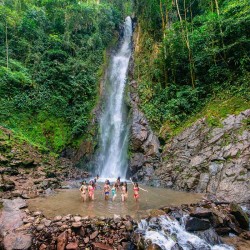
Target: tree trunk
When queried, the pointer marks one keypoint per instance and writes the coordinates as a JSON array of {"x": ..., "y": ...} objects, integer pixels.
[{"x": 6, "y": 44}]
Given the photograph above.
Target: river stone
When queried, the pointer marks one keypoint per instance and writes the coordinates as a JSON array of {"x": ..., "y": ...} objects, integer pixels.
[
  {"x": 201, "y": 213},
  {"x": 62, "y": 240},
  {"x": 40, "y": 227},
  {"x": 72, "y": 246},
  {"x": 117, "y": 218},
  {"x": 153, "y": 247},
  {"x": 128, "y": 225},
  {"x": 77, "y": 218},
  {"x": 57, "y": 218},
  {"x": 17, "y": 241},
  {"x": 156, "y": 212},
  {"x": 196, "y": 224},
  {"x": 93, "y": 235},
  {"x": 76, "y": 224},
  {"x": 86, "y": 240},
  {"x": 37, "y": 213},
  {"x": 43, "y": 247},
  {"x": 101, "y": 246},
  {"x": 240, "y": 215}
]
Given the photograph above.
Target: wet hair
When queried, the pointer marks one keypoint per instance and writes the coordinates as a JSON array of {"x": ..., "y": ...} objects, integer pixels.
[
  {"x": 126, "y": 186},
  {"x": 136, "y": 184},
  {"x": 83, "y": 182}
]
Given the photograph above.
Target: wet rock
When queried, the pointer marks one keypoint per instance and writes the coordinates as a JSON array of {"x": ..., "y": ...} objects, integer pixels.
[
  {"x": 153, "y": 247},
  {"x": 201, "y": 213},
  {"x": 196, "y": 224},
  {"x": 223, "y": 230},
  {"x": 62, "y": 240},
  {"x": 245, "y": 235},
  {"x": 240, "y": 215},
  {"x": 209, "y": 236},
  {"x": 156, "y": 212}
]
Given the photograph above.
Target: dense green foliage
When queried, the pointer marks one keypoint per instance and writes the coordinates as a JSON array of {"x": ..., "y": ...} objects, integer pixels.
[
  {"x": 51, "y": 57},
  {"x": 188, "y": 53}
]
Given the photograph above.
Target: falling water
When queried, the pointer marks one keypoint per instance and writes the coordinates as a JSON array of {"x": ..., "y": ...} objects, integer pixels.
[
  {"x": 167, "y": 233},
  {"x": 112, "y": 160}
]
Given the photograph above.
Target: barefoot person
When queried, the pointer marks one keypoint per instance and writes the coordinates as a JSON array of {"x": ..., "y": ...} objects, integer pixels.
[
  {"x": 106, "y": 190},
  {"x": 84, "y": 189},
  {"x": 126, "y": 190},
  {"x": 136, "y": 190},
  {"x": 91, "y": 189},
  {"x": 114, "y": 191},
  {"x": 123, "y": 191}
]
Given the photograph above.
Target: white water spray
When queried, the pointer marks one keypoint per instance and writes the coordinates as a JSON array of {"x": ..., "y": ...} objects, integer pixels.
[
  {"x": 169, "y": 232},
  {"x": 112, "y": 161}
]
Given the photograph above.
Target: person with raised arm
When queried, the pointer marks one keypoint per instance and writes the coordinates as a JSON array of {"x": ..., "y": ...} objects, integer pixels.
[{"x": 136, "y": 190}]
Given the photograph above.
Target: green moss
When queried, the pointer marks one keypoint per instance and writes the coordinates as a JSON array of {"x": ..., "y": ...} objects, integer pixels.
[{"x": 214, "y": 111}]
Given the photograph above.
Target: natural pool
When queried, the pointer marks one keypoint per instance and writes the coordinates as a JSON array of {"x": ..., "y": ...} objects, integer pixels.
[{"x": 65, "y": 202}]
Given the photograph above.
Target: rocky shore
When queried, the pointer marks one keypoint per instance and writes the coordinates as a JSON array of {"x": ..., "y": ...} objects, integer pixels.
[
  {"x": 211, "y": 221},
  {"x": 27, "y": 171}
]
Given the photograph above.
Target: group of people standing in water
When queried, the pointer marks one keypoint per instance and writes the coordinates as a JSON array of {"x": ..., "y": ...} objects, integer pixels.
[{"x": 88, "y": 190}]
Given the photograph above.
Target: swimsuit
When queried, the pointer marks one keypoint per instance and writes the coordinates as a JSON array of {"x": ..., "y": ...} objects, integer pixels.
[
  {"x": 106, "y": 193},
  {"x": 91, "y": 191},
  {"x": 136, "y": 194},
  {"x": 113, "y": 191}
]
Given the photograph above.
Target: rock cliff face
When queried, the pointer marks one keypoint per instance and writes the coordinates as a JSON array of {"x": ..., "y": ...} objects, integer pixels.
[
  {"x": 144, "y": 145},
  {"x": 210, "y": 159}
]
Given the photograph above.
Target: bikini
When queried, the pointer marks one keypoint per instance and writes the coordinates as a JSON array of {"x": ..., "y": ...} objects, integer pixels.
[
  {"x": 136, "y": 194},
  {"x": 91, "y": 191}
]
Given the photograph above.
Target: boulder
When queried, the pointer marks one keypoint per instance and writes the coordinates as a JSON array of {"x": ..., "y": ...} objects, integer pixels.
[
  {"x": 209, "y": 236},
  {"x": 17, "y": 241},
  {"x": 240, "y": 215},
  {"x": 196, "y": 224}
]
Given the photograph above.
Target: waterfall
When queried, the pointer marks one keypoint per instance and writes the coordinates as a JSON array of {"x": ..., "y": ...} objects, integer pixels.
[
  {"x": 112, "y": 160},
  {"x": 169, "y": 234}
]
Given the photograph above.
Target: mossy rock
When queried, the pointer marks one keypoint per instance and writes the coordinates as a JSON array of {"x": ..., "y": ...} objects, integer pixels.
[{"x": 240, "y": 215}]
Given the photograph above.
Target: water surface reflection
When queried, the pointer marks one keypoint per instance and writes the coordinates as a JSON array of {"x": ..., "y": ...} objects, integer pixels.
[{"x": 69, "y": 202}]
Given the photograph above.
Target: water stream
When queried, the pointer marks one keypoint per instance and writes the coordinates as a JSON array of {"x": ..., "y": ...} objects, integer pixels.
[
  {"x": 168, "y": 234},
  {"x": 112, "y": 160}
]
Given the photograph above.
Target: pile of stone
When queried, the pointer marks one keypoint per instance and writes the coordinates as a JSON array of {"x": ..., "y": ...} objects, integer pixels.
[{"x": 76, "y": 232}]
